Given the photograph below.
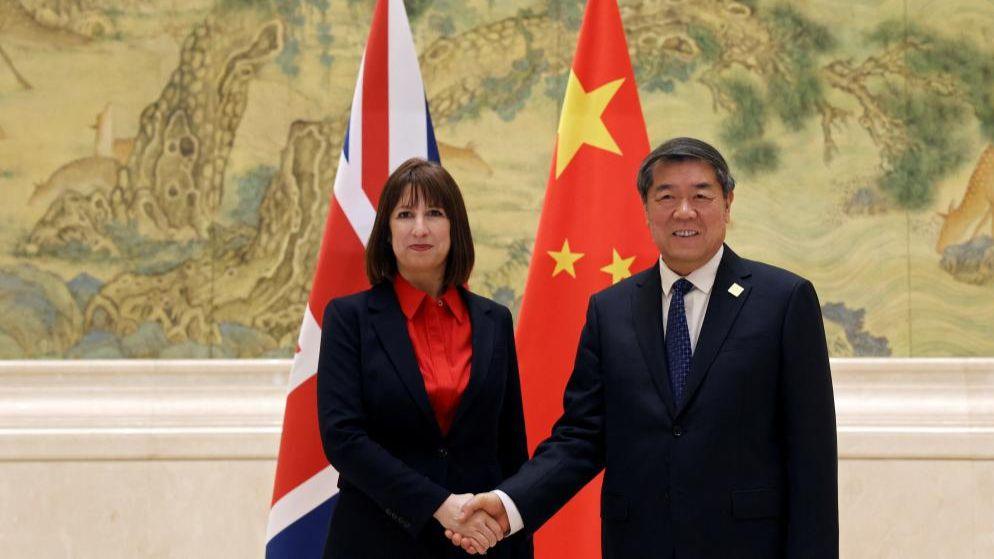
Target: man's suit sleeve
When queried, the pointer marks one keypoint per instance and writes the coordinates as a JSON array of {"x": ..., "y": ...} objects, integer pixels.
[
  {"x": 808, "y": 411},
  {"x": 574, "y": 453},
  {"x": 405, "y": 495}
]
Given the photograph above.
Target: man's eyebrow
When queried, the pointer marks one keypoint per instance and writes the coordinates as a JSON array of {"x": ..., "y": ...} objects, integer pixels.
[{"x": 699, "y": 186}]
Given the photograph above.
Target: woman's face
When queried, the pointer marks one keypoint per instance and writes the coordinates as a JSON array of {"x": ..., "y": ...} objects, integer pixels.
[{"x": 419, "y": 235}]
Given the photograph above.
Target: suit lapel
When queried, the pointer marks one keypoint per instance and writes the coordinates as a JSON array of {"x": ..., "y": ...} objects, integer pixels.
[
  {"x": 723, "y": 308},
  {"x": 391, "y": 327},
  {"x": 647, "y": 310},
  {"x": 483, "y": 335}
]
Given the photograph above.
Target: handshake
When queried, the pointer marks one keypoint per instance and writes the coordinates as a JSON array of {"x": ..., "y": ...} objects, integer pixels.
[{"x": 474, "y": 522}]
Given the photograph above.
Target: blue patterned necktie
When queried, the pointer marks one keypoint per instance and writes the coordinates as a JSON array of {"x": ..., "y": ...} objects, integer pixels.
[{"x": 678, "y": 351}]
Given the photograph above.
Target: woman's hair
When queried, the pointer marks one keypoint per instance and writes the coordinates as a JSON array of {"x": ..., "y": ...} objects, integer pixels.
[{"x": 433, "y": 184}]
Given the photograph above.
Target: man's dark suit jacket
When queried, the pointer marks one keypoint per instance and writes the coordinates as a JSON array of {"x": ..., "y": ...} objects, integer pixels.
[
  {"x": 745, "y": 467},
  {"x": 380, "y": 433}
]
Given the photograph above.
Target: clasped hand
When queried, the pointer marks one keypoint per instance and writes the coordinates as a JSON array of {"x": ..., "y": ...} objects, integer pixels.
[{"x": 474, "y": 523}]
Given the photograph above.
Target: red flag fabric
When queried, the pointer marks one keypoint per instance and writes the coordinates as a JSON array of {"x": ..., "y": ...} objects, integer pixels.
[{"x": 592, "y": 234}]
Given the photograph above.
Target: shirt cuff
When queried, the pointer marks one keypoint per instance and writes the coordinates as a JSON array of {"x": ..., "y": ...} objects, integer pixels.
[{"x": 513, "y": 516}]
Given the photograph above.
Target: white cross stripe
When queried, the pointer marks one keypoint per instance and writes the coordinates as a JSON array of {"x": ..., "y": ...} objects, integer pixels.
[
  {"x": 305, "y": 361},
  {"x": 407, "y": 99},
  {"x": 353, "y": 200},
  {"x": 301, "y": 500}
]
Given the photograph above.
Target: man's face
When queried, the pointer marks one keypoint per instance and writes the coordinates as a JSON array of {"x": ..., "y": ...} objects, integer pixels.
[{"x": 687, "y": 213}]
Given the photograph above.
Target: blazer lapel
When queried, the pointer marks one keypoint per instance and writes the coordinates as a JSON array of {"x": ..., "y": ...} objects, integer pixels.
[
  {"x": 484, "y": 331},
  {"x": 723, "y": 308},
  {"x": 391, "y": 327},
  {"x": 647, "y": 310}
]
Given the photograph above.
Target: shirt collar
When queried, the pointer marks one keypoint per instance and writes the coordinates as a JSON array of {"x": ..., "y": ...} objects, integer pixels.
[
  {"x": 411, "y": 298},
  {"x": 702, "y": 278}
]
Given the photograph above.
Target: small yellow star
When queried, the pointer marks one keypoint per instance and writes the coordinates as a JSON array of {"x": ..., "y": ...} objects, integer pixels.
[
  {"x": 565, "y": 259},
  {"x": 619, "y": 267},
  {"x": 580, "y": 122}
]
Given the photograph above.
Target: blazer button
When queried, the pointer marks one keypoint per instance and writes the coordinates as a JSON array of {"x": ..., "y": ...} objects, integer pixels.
[
  {"x": 677, "y": 431},
  {"x": 443, "y": 453}
]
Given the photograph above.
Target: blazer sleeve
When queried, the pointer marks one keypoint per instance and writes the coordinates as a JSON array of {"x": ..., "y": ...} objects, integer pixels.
[
  {"x": 808, "y": 411},
  {"x": 574, "y": 452},
  {"x": 405, "y": 495},
  {"x": 512, "y": 444}
]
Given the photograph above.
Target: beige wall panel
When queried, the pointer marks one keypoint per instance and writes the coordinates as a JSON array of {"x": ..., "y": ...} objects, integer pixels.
[
  {"x": 176, "y": 458},
  {"x": 134, "y": 508},
  {"x": 900, "y": 509},
  {"x": 896, "y": 509}
]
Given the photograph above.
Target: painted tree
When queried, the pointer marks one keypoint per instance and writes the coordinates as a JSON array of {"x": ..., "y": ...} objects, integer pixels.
[{"x": 914, "y": 94}]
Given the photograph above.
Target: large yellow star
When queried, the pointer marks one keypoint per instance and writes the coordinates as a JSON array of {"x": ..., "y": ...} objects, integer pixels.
[
  {"x": 580, "y": 122},
  {"x": 565, "y": 259},
  {"x": 619, "y": 267}
]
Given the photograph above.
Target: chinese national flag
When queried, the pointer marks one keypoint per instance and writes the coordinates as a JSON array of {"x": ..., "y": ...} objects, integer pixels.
[{"x": 592, "y": 233}]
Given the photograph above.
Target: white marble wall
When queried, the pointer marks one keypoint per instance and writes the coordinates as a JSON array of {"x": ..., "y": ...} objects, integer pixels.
[
  {"x": 134, "y": 508},
  {"x": 176, "y": 459},
  {"x": 902, "y": 509}
]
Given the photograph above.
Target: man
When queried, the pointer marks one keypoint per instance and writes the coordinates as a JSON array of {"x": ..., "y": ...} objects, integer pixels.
[{"x": 702, "y": 387}]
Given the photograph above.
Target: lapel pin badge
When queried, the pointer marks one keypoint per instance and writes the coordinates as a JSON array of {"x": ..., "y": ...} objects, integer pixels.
[{"x": 736, "y": 290}]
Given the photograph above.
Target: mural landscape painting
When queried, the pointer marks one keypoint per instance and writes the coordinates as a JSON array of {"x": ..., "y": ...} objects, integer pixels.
[{"x": 165, "y": 171}]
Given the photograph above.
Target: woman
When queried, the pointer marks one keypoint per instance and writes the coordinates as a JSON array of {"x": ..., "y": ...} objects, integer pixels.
[{"x": 418, "y": 395}]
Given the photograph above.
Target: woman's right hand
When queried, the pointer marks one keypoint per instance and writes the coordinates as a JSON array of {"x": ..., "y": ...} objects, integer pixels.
[{"x": 479, "y": 527}]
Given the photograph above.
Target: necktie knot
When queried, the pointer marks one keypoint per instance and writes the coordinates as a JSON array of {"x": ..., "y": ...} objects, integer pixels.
[{"x": 681, "y": 287}]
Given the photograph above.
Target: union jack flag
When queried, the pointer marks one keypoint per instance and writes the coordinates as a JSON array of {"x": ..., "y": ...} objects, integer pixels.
[{"x": 389, "y": 123}]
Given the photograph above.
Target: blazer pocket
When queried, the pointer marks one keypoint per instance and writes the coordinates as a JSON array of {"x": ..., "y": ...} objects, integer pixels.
[
  {"x": 756, "y": 503},
  {"x": 614, "y": 506}
]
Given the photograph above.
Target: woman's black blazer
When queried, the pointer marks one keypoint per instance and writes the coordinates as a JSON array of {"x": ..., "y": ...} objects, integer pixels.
[{"x": 380, "y": 433}]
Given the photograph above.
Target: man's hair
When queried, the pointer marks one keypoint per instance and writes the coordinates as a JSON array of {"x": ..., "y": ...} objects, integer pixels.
[
  {"x": 433, "y": 184},
  {"x": 684, "y": 149}
]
